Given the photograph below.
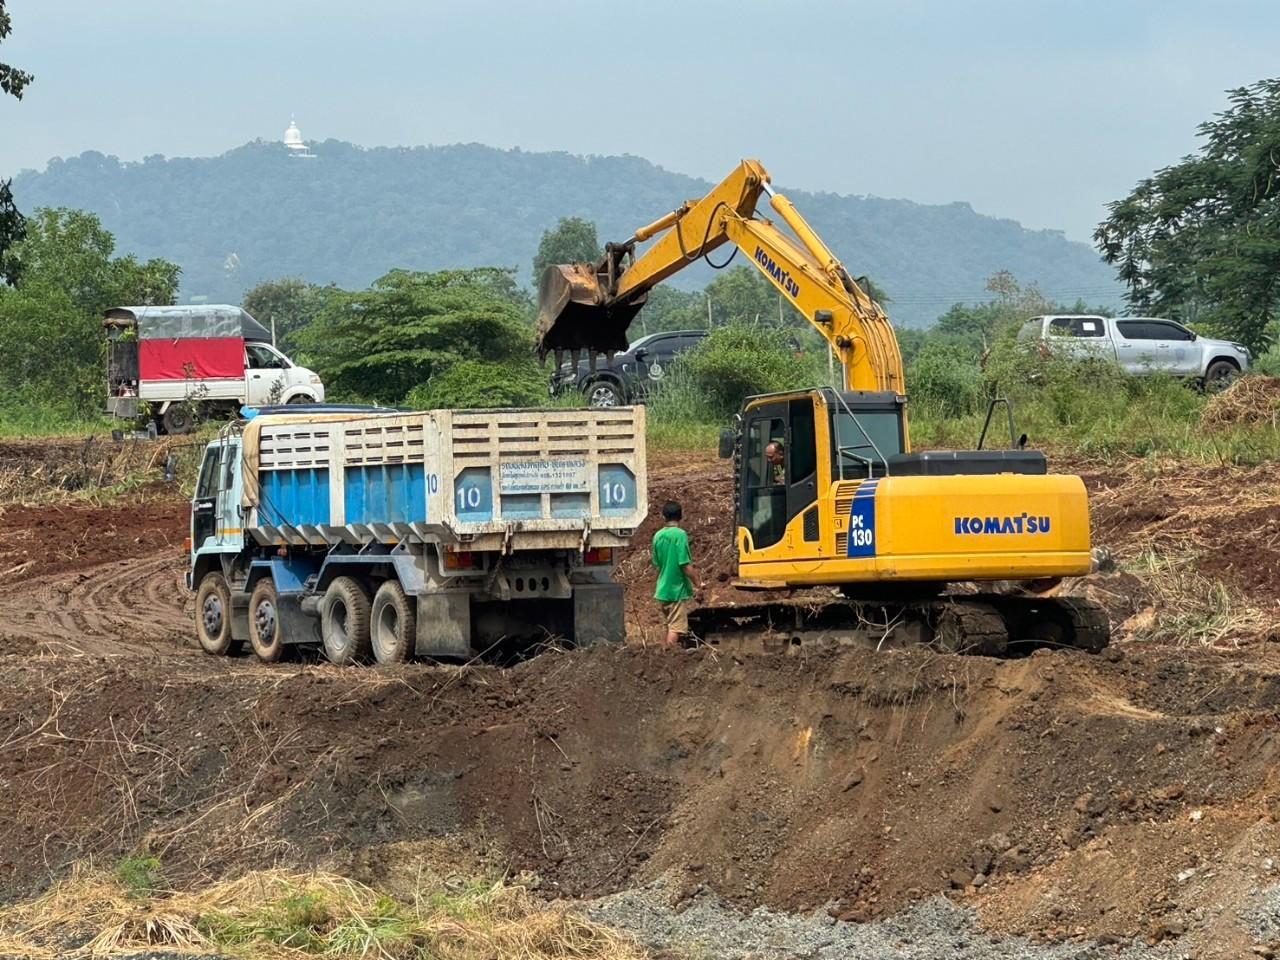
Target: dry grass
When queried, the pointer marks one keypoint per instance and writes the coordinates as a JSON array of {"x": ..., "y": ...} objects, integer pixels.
[
  {"x": 1188, "y": 607},
  {"x": 93, "y": 469},
  {"x": 1253, "y": 400},
  {"x": 280, "y": 914}
]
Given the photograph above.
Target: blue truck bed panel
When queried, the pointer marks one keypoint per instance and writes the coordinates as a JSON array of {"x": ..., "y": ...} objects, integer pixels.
[
  {"x": 386, "y": 493},
  {"x": 295, "y": 497},
  {"x": 529, "y": 479}
]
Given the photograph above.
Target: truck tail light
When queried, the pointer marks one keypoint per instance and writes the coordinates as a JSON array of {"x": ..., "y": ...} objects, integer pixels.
[
  {"x": 461, "y": 560},
  {"x": 598, "y": 555}
]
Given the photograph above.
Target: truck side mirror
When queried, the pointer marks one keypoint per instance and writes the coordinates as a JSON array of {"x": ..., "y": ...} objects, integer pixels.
[{"x": 727, "y": 441}]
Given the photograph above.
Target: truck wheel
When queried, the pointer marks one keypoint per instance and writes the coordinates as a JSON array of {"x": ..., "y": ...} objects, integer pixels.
[
  {"x": 300, "y": 398},
  {"x": 213, "y": 615},
  {"x": 1220, "y": 375},
  {"x": 264, "y": 622},
  {"x": 178, "y": 420},
  {"x": 603, "y": 393},
  {"x": 344, "y": 622},
  {"x": 393, "y": 630}
]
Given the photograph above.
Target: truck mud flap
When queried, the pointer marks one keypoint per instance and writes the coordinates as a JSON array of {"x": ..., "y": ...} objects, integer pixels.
[
  {"x": 444, "y": 625},
  {"x": 295, "y": 625},
  {"x": 598, "y": 614}
]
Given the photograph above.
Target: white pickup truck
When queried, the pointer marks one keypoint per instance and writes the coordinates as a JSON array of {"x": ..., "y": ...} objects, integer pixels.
[{"x": 1141, "y": 345}]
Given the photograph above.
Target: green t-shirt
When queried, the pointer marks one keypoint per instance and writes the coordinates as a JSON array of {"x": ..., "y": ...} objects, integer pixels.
[{"x": 670, "y": 554}]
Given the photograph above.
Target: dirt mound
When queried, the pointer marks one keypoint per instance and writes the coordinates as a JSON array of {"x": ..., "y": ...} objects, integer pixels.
[
  {"x": 1220, "y": 523},
  {"x": 1251, "y": 400},
  {"x": 867, "y": 780}
]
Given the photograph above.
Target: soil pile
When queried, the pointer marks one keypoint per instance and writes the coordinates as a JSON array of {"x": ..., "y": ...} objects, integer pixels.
[
  {"x": 1253, "y": 400},
  {"x": 1061, "y": 793}
]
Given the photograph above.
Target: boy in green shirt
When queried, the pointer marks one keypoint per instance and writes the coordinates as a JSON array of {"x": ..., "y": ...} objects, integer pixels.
[{"x": 676, "y": 578}]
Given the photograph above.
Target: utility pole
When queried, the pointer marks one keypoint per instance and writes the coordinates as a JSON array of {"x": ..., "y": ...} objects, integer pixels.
[{"x": 708, "y": 311}]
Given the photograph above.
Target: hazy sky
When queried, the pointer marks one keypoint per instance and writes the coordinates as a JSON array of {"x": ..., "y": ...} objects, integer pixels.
[{"x": 1033, "y": 110}]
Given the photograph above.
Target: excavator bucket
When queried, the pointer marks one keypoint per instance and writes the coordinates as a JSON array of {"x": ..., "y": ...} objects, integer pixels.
[{"x": 575, "y": 313}]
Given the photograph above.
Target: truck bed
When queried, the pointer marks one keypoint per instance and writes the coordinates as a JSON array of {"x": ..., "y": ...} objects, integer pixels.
[{"x": 513, "y": 479}]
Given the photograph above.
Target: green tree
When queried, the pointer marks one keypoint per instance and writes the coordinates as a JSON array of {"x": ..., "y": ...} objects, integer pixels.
[
  {"x": 573, "y": 240},
  {"x": 670, "y": 309},
  {"x": 481, "y": 383},
  {"x": 51, "y": 322},
  {"x": 1200, "y": 240},
  {"x": 743, "y": 294},
  {"x": 12, "y": 80},
  {"x": 976, "y": 327},
  {"x": 409, "y": 328},
  {"x": 13, "y": 227},
  {"x": 292, "y": 303}
]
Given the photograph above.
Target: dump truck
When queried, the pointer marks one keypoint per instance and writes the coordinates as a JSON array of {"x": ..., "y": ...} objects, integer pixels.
[{"x": 381, "y": 535}]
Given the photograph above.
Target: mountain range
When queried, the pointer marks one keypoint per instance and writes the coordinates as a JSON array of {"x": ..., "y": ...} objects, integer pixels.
[{"x": 348, "y": 214}]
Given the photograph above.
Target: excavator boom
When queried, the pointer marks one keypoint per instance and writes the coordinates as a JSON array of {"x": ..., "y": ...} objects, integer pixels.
[{"x": 588, "y": 307}]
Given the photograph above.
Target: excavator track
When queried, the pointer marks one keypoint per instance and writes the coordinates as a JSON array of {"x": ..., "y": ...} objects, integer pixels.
[{"x": 994, "y": 625}]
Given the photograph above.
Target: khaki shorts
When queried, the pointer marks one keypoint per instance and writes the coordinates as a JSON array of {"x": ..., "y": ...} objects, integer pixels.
[{"x": 677, "y": 615}]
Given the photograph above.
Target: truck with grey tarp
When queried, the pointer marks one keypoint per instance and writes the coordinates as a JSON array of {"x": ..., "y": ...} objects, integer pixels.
[
  {"x": 197, "y": 361},
  {"x": 382, "y": 535}
]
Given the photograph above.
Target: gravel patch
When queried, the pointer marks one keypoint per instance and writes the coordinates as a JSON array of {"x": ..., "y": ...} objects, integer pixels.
[
  {"x": 934, "y": 929},
  {"x": 1262, "y": 914}
]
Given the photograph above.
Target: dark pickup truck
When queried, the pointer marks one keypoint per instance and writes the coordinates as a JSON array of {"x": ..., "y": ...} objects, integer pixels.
[{"x": 630, "y": 376}]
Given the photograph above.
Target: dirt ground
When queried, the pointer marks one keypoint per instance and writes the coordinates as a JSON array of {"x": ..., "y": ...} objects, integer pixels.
[{"x": 1127, "y": 795}]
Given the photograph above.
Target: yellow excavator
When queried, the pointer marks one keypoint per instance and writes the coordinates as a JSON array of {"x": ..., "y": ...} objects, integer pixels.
[{"x": 828, "y": 491}]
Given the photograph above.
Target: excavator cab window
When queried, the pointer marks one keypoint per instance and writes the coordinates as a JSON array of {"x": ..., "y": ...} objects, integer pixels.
[
  {"x": 864, "y": 440},
  {"x": 779, "y": 469}
]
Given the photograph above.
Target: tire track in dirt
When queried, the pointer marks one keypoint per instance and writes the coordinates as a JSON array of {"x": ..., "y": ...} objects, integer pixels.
[{"x": 131, "y": 607}]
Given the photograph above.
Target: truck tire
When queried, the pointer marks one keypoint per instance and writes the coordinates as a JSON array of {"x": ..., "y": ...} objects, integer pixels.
[
  {"x": 344, "y": 622},
  {"x": 178, "y": 419},
  {"x": 1220, "y": 375},
  {"x": 264, "y": 622},
  {"x": 213, "y": 615},
  {"x": 392, "y": 624}
]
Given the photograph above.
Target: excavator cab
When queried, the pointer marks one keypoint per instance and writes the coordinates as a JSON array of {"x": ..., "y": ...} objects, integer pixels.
[{"x": 793, "y": 446}]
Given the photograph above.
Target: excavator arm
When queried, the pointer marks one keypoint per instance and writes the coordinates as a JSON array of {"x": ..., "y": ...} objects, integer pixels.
[{"x": 589, "y": 306}]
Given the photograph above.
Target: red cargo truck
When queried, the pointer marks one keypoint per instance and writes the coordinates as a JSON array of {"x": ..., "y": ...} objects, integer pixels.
[{"x": 197, "y": 361}]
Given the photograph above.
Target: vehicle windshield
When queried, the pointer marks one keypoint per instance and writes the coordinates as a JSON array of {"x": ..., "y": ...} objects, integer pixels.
[
  {"x": 262, "y": 357},
  {"x": 867, "y": 437}
]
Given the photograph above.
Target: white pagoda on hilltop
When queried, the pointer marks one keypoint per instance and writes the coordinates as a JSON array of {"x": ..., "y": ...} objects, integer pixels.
[{"x": 293, "y": 141}]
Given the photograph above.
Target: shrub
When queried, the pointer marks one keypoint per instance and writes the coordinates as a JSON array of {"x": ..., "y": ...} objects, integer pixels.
[
  {"x": 481, "y": 383},
  {"x": 140, "y": 876},
  {"x": 709, "y": 383},
  {"x": 946, "y": 378}
]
